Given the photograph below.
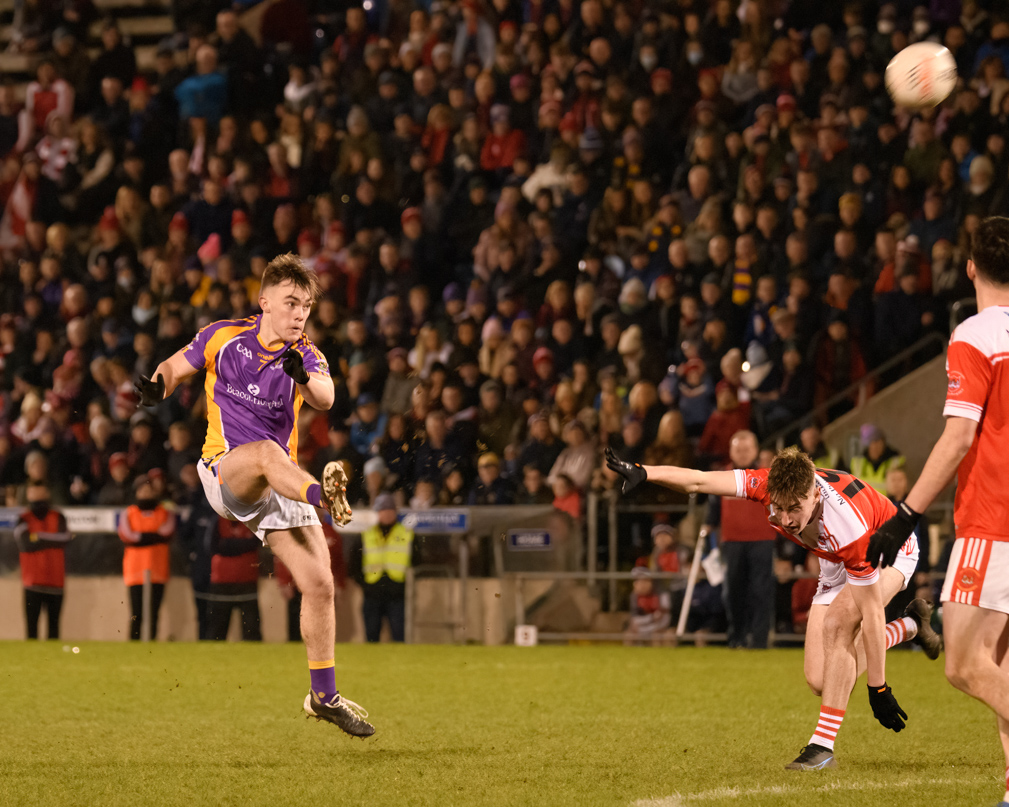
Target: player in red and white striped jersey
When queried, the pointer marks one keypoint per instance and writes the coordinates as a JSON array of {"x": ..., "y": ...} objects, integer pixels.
[
  {"x": 832, "y": 514},
  {"x": 973, "y": 445}
]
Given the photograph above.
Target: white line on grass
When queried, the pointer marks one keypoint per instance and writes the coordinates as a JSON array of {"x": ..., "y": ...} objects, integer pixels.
[{"x": 724, "y": 793}]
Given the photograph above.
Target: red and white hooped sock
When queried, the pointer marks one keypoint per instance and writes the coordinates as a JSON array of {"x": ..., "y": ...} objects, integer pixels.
[
  {"x": 827, "y": 728},
  {"x": 900, "y": 630}
]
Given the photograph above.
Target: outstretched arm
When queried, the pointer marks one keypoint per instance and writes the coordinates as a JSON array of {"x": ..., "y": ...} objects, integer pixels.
[{"x": 687, "y": 480}]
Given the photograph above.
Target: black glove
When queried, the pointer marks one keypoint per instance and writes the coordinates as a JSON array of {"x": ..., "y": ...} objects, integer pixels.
[
  {"x": 886, "y": 542},
  {"x": 632, "y": 472},
  {"x": 294, "y": 366},
  {"x": 151, "y": 392},
  {"x": 885, "y": 708}
]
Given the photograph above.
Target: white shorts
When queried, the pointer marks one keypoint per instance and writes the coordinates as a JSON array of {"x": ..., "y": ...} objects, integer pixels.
[
  {"x": 833, "y": 577},
  {"x": 275, "y": 512},
  {"x": 978, "y": 574}
]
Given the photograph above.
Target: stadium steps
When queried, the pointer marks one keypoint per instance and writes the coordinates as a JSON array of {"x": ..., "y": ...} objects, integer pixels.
[
  {"x": 909, "y": 411},
  {"x": 566, "y": 607},
  {"x": 143, "y": 23}
]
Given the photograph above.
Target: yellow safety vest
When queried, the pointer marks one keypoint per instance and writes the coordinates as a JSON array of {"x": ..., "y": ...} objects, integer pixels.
[
  {"x": 388, "y": 555},
  {"x": 862, "y": 468}
]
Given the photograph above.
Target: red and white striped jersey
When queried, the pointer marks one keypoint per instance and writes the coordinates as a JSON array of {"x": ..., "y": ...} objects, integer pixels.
[
  {"x": 978, "y": 389},
  {"x": 852, "y": 512}
]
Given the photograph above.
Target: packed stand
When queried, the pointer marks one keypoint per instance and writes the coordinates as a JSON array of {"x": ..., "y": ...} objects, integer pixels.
[{"x": 542, "y": 228}]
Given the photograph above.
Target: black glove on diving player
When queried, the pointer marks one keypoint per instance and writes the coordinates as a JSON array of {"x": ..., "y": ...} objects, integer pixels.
[
  {"x": 886, "y": 542},
  {"x": 885, "y": 707},
  {"x": 632, "y": 472}
]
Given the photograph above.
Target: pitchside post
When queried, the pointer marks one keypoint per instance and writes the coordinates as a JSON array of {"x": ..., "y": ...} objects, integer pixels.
[{"x": 145, "y": 619}]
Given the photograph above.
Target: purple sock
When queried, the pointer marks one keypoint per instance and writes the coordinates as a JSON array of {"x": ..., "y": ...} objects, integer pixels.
[
  {"x": 323, "y": 675},
  {"x": 312, "y": 494}
]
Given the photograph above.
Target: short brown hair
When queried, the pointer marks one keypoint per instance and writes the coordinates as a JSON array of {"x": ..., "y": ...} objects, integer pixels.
[
  {"x": 290, "y": 267},
  {"x": 791, "y": 476}
]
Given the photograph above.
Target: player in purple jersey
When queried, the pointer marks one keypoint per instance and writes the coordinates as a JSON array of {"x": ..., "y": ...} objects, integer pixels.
[{"x": 260, "y": 370}]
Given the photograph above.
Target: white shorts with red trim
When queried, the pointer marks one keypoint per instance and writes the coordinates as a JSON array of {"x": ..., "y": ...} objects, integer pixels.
[
  {"x": 978, "y": 574},
  {"x": 833, "y": 577},
  {"x": 274, "y": 512}
]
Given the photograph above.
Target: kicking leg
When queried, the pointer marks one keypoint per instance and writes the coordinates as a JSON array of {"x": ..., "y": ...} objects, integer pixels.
[
  {"x": 304, "y": 551},
  {"x": 252, "y": 470}
]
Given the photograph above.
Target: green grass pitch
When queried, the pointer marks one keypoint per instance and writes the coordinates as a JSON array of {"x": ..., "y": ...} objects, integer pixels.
[{"x": 221, "y": 724}]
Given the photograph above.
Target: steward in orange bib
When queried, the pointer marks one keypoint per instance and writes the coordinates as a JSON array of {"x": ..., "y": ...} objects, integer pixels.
[
  {"x": 146, "y": 528},
  {"x": 41, "y": 534}
]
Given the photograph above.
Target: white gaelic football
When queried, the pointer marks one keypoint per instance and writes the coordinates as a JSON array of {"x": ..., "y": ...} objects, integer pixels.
[{"x": 921, "y": 75}]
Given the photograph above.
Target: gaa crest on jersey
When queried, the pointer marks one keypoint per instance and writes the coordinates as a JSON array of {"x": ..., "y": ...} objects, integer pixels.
[
  {"x": 244, "y": 351},
  {"x": 955, "y": 385},
  {"x": 754, "y": 481}
]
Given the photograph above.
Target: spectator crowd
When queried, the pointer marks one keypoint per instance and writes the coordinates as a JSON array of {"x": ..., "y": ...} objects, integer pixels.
[{"x": 541, "y": 227}]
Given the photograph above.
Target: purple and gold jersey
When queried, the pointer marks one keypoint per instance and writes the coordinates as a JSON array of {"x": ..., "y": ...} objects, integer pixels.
[{"x": 249, "y": 396}]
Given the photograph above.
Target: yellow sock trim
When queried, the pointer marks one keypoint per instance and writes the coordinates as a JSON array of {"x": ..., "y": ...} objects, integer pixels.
[
  {"x": 304, "y": 491},
  {"x": 321, "y": 665}
]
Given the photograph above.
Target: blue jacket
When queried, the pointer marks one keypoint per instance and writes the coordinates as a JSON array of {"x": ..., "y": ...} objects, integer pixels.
[{"x": 203, "y": 96}]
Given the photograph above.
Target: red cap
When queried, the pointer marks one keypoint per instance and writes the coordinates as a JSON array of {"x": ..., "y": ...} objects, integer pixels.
[
  {"x": 518, "y": 81},
  {"x": 239, "y": 217},
  {"x": 308, "y": 236},
  {"x": 410, "y": 214},
  {"x": 507, "y": 24},
  {"x": 569, "y": 123},
  {"x": 179, "y": 222},
  {"x": 108, "y": 220},
  {"x": 694, "y": 364},
  {"x": 786, "y": 102},
  {"x": 140, "y": 85},
  {"x": 335, "y": 227},
  {"x": 119, "y": 458},
  {"x": 543, "y": 354},
  {"x": 662, "y": 72}
]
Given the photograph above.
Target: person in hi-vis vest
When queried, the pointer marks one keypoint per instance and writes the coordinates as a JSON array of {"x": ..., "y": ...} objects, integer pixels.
[
  {"x": 387, "y": 551},
  {"x": 146, "y": 528}
]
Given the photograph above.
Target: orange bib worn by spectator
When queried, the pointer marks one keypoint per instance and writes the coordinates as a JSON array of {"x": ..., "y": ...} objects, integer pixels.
[
  {"x": 133, "y": 522},
  {"x": 42, "y": 568}
]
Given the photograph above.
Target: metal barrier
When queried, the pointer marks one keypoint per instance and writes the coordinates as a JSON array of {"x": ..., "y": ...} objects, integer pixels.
[
  {"x": 614, "y": 507},
  {"x": 680, "y": 632}
]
